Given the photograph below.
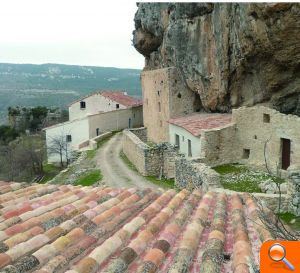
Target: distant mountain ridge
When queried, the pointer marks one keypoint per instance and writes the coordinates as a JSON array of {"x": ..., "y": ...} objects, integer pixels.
[{"x": 58, "y": 84}]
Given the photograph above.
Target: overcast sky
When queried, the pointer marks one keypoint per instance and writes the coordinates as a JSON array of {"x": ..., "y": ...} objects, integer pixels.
[{"x": 83, "y": 32}]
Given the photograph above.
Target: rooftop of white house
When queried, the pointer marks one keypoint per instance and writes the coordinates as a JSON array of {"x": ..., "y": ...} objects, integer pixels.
[
  {"x": 118, "y": 96},
  {"x": 197, "y": 122}
]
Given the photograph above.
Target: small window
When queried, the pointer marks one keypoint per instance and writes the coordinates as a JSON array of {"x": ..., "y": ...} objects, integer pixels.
[
  {"x": 161, "y": 82},
  {"x": 255, "y": 136},
  {"x": 246, "y": 153},
  {"x": 82, "y": 105},
  {"x": 97, "y": 132},
  {"x": 68, "y": 138},
  {"x": 158, "y": 93},
  {"x": 179, "y": 96},
  {"x": 159, "y": 107},
  {"x": 133, "y": 115},
  {"x": 117, "y": 106},
  {"x": 182, "y": 138},
  {"x": 266, "y": 118}
]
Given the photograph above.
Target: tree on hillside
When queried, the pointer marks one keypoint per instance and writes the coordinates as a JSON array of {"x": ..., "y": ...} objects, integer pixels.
[
  {"x": 7, "y": 134},
  {"x": 60, "y": 146}
]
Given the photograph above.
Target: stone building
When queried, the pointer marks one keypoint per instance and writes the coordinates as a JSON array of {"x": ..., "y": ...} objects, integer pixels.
[
  {"x": 256, "y": 136},
  {"x": 186, "y": 132},
  {"x": 164, "y": 97}
]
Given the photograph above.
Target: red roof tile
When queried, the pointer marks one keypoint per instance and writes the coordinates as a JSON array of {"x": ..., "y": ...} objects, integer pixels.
[
  {"x": 92, "y": 229},
  {"x": 117, "y": 96},
  {"x": 197, "y": 122},
  {"x": 122, "y": 98}
]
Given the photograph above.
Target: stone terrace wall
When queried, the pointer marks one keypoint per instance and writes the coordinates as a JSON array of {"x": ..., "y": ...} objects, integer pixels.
[
  {"x": 294, "y": 191},
  {"x": 191, "y": 174},
  {"x": 149, "y": 161}
]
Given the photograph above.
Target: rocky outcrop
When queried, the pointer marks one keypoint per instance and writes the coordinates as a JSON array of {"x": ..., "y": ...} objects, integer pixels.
[{"x": 230, "y": 54}]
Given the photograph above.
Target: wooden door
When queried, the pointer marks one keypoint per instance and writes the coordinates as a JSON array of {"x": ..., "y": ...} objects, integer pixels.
[{"x": 286, "y": 153}]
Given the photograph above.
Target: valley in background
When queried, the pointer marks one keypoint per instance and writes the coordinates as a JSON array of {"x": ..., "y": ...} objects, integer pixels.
[{"x": 56, "y": 85}]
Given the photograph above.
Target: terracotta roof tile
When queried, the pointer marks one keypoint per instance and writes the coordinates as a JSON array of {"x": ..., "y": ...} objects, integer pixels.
[
  {"x": 117, "y": 96},
  {"x": 197, "y": 122},
  {"x": 52, "y": 228}
]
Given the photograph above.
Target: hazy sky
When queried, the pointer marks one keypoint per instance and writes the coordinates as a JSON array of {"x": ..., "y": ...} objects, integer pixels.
[{"x": 84, "y": 32}]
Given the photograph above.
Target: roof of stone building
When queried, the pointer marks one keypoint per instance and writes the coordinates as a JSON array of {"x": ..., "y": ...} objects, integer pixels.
[
  {"x": 59, "y": 228},
  {"x": 118, "y": 96},
  {"x": 197, "y": 122}
]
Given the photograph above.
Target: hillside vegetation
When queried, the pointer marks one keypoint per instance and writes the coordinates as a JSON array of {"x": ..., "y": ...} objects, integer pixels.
[{"x": 56, "y": 85}]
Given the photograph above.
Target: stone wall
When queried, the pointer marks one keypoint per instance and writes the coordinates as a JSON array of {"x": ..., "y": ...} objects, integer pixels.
[
  {"x": 217, "y": 145},
  {"x": 149, "y": 160},
  {"x": 192, "y": 174},
  {"x": 294, "y": 191},
  {"x": 256, "y": 126},
  {"x": 165, "y": 96}
]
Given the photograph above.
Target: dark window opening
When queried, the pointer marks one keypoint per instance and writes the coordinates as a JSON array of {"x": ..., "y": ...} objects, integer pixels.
[
  {"x": 179, "y": 96},
  {"x": 189, "y": 148},
  {"x": 255, "y": 136},
  {"x": 285, "y": 153},
  {"x": 117, "y": 106},
  {"x": 160, "y": 123},
  {"x": 266, "y": 118},
  {"x": 161, "y": 82},
  {"x": 182, "y": 138},
  {"x": 82, "y": 105},
  {"x": 68, "y": 138},
  {"x": 177, "y": 141},
  {"x": 158, "y": 93},
  {"x": 246, "y": 153},
  {"x": 159, "y": 107},
  {"x": 175, "y": 81},
  {"x": 97, "y": 132}
]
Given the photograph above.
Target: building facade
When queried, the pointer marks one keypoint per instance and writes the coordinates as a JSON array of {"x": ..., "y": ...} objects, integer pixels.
[
  {"x": 164, "y": 97},
  {"x": 256, "y": 136},
  {"x": 76, "y": 133}
]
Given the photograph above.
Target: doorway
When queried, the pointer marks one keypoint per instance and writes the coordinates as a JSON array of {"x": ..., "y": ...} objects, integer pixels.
[
  {"x": 285, "y": 153},
  {"x": 190, "y": 148},
  {"x": 177, "y": 141}
]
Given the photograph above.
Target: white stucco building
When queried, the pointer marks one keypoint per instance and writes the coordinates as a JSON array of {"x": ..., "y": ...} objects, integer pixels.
[
  {"x": 185, "y": 132},
  {"x": 92, "y": 116}
]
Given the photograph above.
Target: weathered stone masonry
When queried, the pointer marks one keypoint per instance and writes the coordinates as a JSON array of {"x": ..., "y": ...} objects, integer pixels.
[{"x": 149, "y": 160}]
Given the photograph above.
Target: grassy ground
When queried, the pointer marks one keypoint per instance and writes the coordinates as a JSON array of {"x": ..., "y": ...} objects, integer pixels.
[
  {"x": 90, "y": 178},
  {"x": 163, "y": 183},
  {"x": 239, "y": 178},
  {"x": 290, "y": 219},
  {"x": 50, "y": 172}
]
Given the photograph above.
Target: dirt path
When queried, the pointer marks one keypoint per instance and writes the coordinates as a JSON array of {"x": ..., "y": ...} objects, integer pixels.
[{"x": 115, "y": 172}]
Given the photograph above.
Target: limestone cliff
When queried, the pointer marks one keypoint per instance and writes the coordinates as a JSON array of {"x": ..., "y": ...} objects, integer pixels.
[{"x": 230, "y": 54}]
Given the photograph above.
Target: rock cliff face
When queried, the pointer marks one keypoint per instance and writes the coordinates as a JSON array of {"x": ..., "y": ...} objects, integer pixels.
[{"x": 230, "y": 54}]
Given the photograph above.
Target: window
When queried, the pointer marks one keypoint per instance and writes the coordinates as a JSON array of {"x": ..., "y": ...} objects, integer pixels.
[
  {"x": 182, "y": 138},
  {"x": 158, "y": 93},
  {"x": 285, "y": 153},
  {"x": 255, "y": 136},
  {"x": 246, "y": 153},
  {"x": 159, "y": 107},
  {"x": 177, "y": 141},
  {"x": 68, "y": 138},
  {"x": 189, "y": 148},
  {"x": 160, "y": 123},
  {"x": 179, "y": 96},
  {"x": 82, "y": 105},
  {"x": 117, "y": 106},
  {"x": 97, "y": 132},
  {"x": 266, "y": 118}
]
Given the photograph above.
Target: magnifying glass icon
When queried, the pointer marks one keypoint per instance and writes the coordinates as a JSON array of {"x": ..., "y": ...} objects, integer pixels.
[{"x": 277, "y": 253}]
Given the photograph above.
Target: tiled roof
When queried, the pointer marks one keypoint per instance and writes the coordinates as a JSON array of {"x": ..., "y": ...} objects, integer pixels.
[
  {"x": 52, "y": 228},
  {"x": 122, "y": 98},
  {"x": 117, "y": 96},
  {"x": 197, "y": 122}
]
